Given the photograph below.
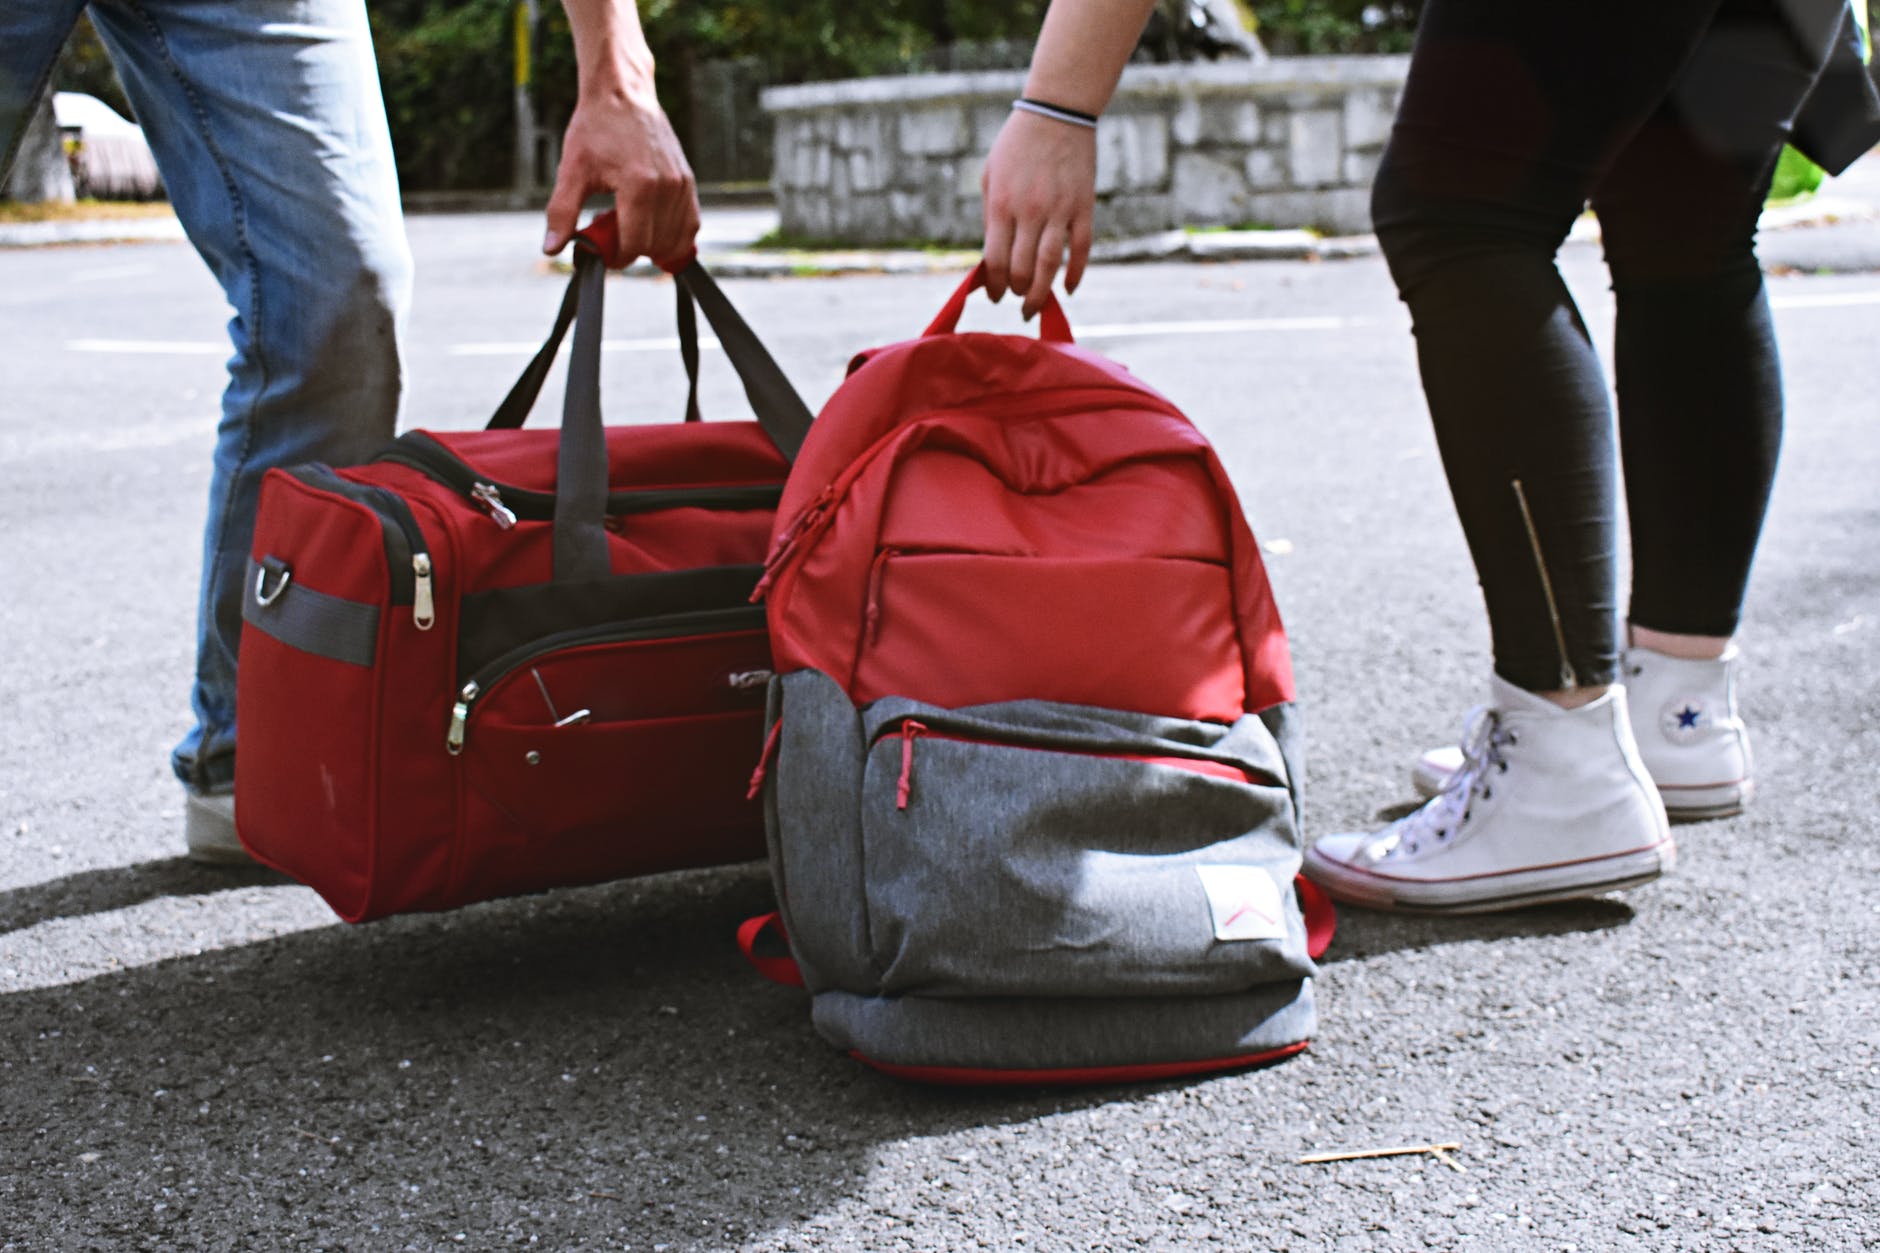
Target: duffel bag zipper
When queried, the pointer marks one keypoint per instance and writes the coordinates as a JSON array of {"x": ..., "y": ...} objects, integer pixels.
[
  {"x": 912, "y": 729},
  {"x": 508, "y": 504},
  {"x": 410, "y": 563},
  {"x": 665, "y": 626}
]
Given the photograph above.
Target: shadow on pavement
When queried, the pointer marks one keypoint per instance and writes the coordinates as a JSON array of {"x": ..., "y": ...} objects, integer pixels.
[
  {"x": 592, "y": 1068},
  {"x": 1366, "y": 933},
  {"x": 121, "y": 887}
]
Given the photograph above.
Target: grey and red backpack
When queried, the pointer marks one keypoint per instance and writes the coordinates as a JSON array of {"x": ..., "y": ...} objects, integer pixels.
[{"x": 1031, "y": 777}]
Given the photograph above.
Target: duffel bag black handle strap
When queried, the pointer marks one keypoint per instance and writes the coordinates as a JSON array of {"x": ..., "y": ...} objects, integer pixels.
[
  {"x": 777, "y": 407},
  {"x": 580, "y": 551}
]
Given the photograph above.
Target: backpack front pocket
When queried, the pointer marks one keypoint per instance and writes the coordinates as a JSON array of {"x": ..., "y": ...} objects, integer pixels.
[{"x": 999, "y": 861}]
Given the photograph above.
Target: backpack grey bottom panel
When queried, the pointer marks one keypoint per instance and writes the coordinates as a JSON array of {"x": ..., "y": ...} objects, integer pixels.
[
  {"x": 1037, "y": 886},
  {"x": 1065, "y": 1033}
]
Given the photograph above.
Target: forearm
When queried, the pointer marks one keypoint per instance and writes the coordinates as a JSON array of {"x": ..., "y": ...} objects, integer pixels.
[
  {"x": 1082, "y": 51},
  {"x": 611, "y": 54}
]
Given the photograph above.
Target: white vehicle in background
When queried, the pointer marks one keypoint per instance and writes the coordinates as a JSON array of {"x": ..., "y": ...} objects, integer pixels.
[{"x": 109, "y": 156}]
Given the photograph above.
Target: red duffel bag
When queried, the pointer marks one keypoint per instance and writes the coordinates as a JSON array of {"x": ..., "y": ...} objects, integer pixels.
[{"x": 498, "y": 661}]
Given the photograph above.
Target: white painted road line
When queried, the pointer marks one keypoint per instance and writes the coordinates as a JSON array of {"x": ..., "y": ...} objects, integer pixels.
[
  {"x": 1826, "y": 300},
  {"x": 1216, "y": 326},
  {"x": 153, "y": 347},
  {"x": 519, "y": 348},
  {"x": 1109, "y": 330}
]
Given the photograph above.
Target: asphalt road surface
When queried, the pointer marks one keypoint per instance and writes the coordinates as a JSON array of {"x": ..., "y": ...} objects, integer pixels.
[{"x": 200, "y": 1059}]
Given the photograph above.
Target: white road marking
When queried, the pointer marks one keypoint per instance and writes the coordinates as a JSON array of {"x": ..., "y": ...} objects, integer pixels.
[
  {"x": 113, "y": 271},
  {"x": 1826, "y": 300},
  {"x": 153, "y": 347},
  {"x": 1215, "y": 326},
  {"x": 520, "y": 348}
]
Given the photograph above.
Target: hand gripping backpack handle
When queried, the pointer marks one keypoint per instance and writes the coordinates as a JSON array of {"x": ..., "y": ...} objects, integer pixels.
[
  {"x": 1053, "y": 326},
  {"x": 580, "y": 544}
]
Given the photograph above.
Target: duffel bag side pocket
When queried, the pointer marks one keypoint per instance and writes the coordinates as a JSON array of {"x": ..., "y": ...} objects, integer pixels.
[{"x": 331, "y": 594}]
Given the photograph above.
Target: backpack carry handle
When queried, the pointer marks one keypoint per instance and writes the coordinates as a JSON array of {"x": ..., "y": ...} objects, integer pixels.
[{"x": 1053, "y": 326}]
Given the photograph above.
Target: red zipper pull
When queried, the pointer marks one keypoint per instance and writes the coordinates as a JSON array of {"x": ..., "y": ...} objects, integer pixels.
[
  {"x": 787, "y": 543},
  {"x": 764, "y": 759},
  {"x": 871, "y": 620},
  {"x": 903, "y": 791}
]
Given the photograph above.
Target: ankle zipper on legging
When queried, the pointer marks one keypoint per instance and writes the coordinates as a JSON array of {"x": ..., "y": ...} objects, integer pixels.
[{"x": 1568, "y": 679}]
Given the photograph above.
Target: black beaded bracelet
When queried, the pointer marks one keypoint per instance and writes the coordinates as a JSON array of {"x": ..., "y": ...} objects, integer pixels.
[{"x": 1056, "y": 112}]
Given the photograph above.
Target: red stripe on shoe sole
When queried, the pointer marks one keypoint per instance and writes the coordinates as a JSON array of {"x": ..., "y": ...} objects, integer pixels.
[{"x": 967, "y": 1076}]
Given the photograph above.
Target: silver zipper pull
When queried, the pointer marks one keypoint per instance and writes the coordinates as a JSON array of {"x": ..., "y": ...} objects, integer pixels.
[
  {"x": 485, "y": 494},
  {"x": 459, "y": 716},
  {"x": 423, "y": 607}
]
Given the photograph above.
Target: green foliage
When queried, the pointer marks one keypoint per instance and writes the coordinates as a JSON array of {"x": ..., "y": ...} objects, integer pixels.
[
  {"x": 447, "y": 69},
  {"x": 1796, "y": 176},
  {"x": 83, "y": 66},
  {"x": 1292, "y": 27}
]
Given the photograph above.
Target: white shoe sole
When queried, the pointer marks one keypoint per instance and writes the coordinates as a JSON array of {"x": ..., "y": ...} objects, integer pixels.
[
  {"x": 209, "y": 832},
  {"x": 1480, "y": 894},
  {"x": 1682, "y": 804}
]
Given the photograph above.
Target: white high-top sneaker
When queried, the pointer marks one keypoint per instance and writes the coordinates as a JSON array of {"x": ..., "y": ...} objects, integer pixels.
[
  {"x": 1689, "y": 734},
  {"x": 1548, "y": 804}
]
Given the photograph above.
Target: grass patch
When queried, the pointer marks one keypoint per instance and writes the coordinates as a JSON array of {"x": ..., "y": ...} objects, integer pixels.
[
  {"x": 783, "y": 241},
  {"x": 1241, "y": 226},
  {"x": 14, "y": 212}
]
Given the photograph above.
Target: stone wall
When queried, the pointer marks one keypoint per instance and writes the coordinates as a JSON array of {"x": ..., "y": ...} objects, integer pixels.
[{"x": 1288, "y": 142}]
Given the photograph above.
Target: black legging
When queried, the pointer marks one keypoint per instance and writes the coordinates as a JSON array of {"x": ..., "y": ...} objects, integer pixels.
[{"x": 1668, "y": 116}]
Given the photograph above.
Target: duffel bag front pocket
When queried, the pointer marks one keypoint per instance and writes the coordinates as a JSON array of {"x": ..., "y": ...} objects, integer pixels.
[
  {"x": 599, "y": 758},
  {"x": 1033, "y": 850}
]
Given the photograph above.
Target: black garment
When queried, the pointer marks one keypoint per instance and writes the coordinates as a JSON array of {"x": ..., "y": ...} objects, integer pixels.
[{"x": 1668, "y": 117}]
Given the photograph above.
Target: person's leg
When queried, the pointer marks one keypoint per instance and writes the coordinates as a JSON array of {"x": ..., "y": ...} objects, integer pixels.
[
  {"x": 1510, "y": 115},
  {"x": 1509, "y": 119},
  {"x": 268, "y": 125},
  {"x": 31, "y": 34},
  {"x": 1700, "y": 392}
]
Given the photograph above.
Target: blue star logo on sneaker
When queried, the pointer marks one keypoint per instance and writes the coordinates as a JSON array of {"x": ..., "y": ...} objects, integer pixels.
[{"x": 1684, "y": 720}]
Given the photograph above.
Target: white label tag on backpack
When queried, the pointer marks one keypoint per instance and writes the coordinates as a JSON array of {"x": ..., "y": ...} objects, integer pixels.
[{"x": 1245, "y": 903}]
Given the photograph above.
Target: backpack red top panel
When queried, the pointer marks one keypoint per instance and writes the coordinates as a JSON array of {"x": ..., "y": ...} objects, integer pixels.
[{"x": 978, "y": 518}]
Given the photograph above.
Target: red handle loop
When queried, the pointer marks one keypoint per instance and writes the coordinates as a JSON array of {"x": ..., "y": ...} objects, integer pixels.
[
  {"x": 776, "y": 969},
  {"x": 1053, "y": 326},
  {"x": 602, "y": 238},
  {"x": 1321, "y": 916}
]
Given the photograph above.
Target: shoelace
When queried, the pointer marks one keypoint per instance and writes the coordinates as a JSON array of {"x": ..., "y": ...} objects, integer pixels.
[{"x": 1484, "y": 740}]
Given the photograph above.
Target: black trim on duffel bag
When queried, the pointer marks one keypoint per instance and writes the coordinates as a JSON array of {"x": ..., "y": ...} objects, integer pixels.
[
  {"x": 301, "y": 618},
  {"x": 498, "y": 622}
]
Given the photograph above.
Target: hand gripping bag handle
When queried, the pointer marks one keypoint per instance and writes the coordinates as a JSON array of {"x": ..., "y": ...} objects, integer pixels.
[
  {"x": 580, "y": 541},
  {"x": 1053, "y": 326}
]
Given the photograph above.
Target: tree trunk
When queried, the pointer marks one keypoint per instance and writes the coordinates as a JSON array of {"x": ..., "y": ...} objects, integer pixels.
[{"x": 40, "y": 172}]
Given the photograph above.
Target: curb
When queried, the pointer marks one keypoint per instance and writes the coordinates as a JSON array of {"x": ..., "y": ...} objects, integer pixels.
[
  {"x": 97, "y": 231},
  {"x": 1163, "y": 246}
]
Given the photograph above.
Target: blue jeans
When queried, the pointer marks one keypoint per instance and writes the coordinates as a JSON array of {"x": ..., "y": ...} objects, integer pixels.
[{"x": 269, "y": 128}]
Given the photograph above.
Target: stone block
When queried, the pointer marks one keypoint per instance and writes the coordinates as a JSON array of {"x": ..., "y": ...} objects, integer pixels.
[
  {"x": 940, "y": 131},
  {"x": 867, "y": 171},
  {"x": 1216, "y": 120},
  {"x": 1332, "y": 211},
  {"x": 987, "y": 121},
  {"x": 1137, "y": 213},
  {"x": 1315, "y": 147},
  {"x": 1277, "y": 129},
  {"x": 966, "y": 184},
  {"x": 1208, "y": 191},
  {"x": 1132, "y": 153},
  {"x": 1368, "y": 116},
  {"x": 1186, "y": 125},
  {"x": 1266, "y": 169},
  {"x": 1361, "y": 167}
]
